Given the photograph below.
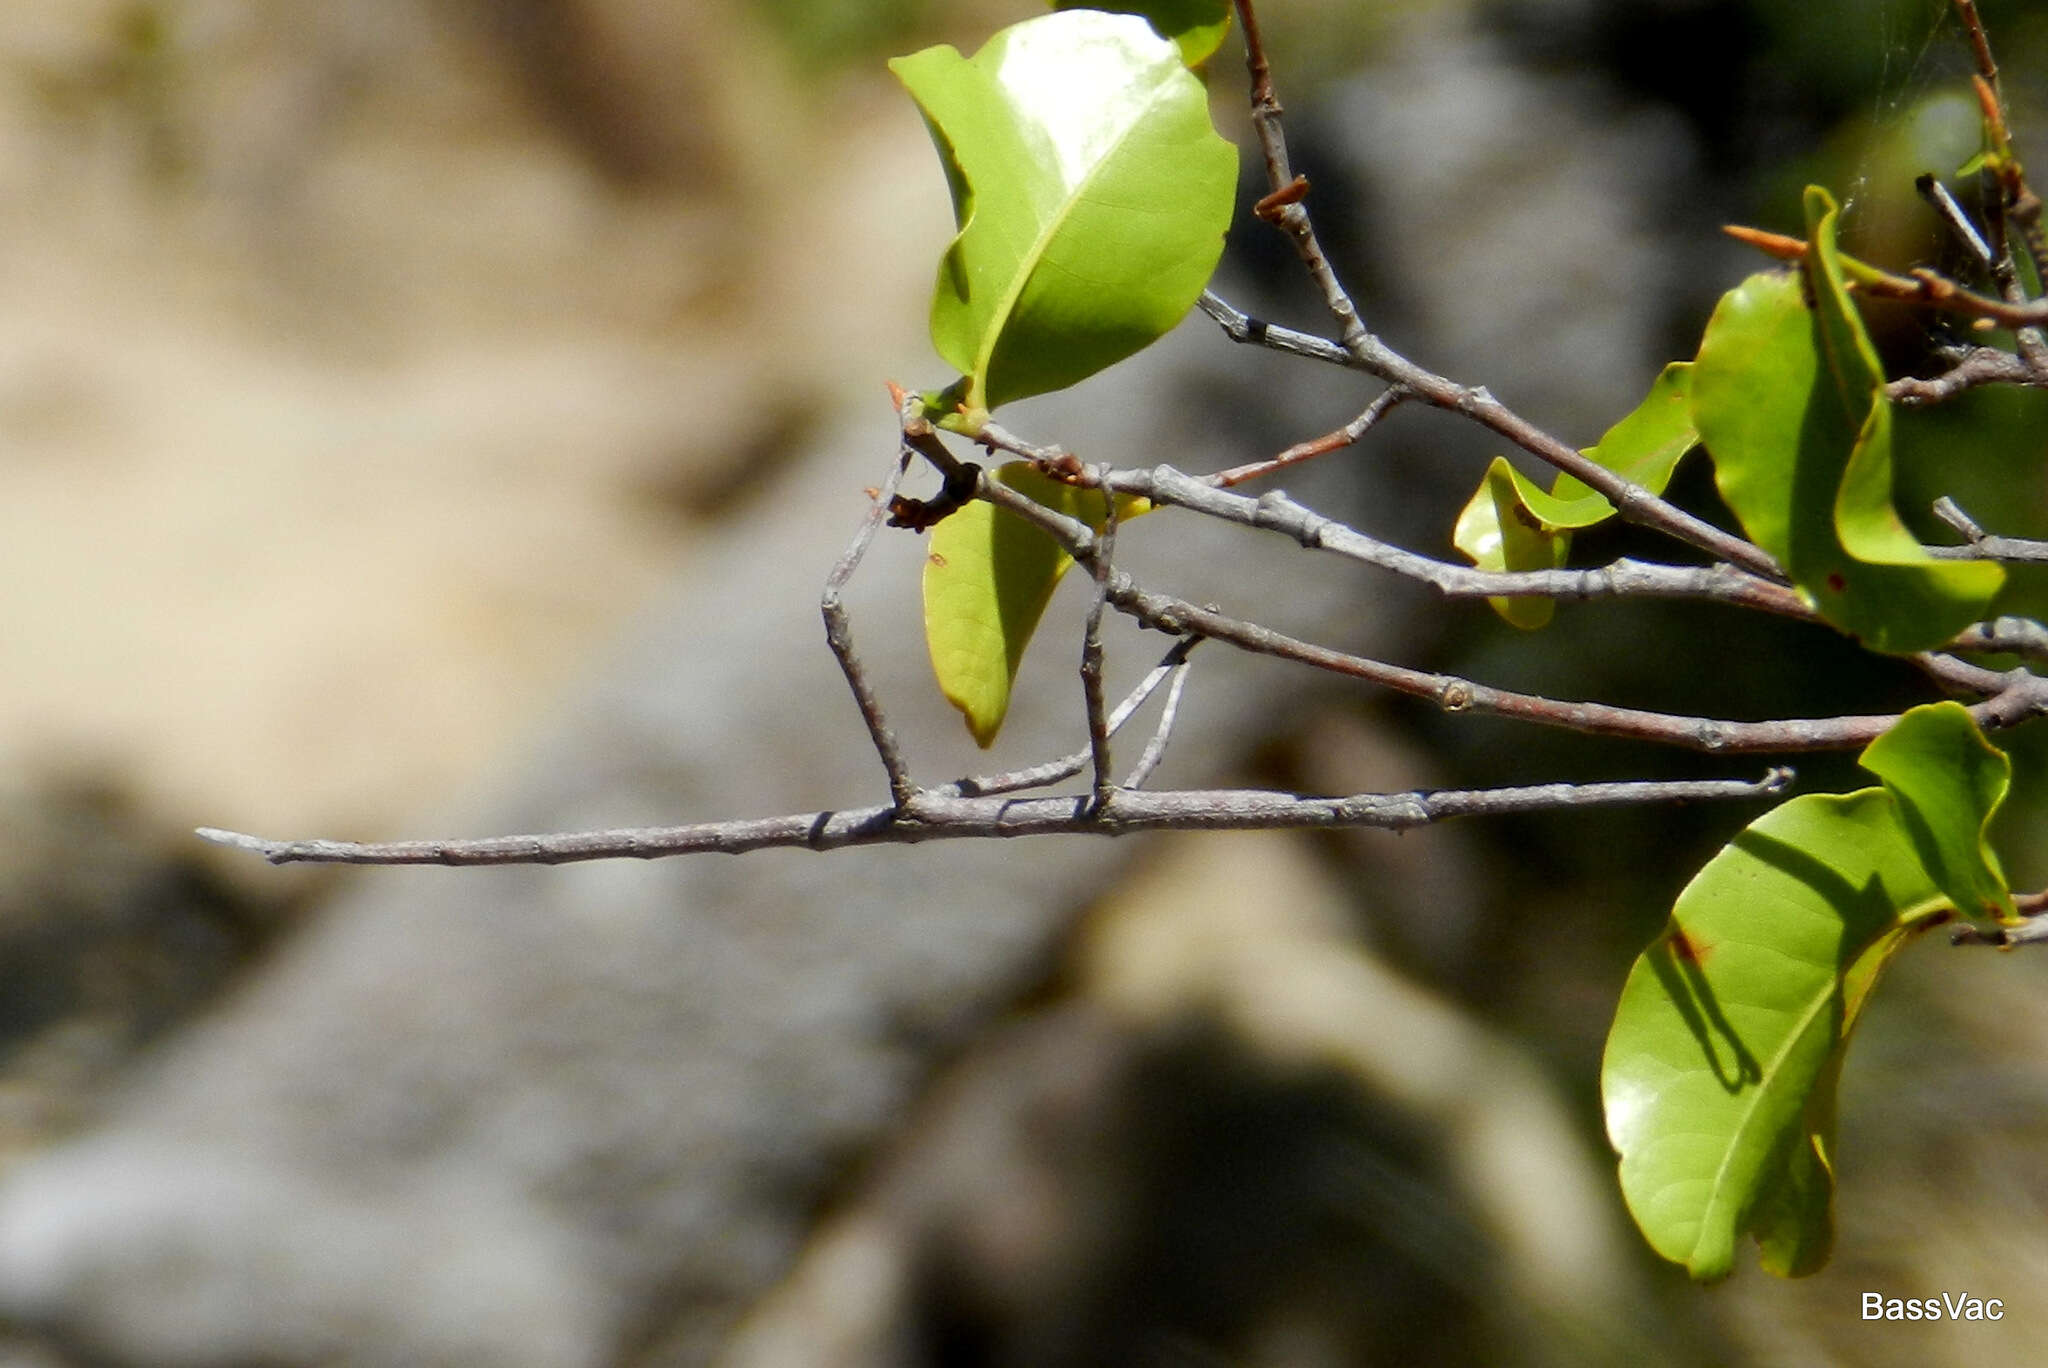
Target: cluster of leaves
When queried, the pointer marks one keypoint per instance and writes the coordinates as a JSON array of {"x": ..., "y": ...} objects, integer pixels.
[{"x": 1092, "y": 194}]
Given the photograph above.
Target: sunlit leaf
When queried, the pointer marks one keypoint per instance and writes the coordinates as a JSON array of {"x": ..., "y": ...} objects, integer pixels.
[
  {"x": 1197, "y": 26},
  {"x": 1511, "y": 524},
  {"x": 1788, "y": 398},
  {"x": 1948, "y": 781},
  {"x": 987, "y": 578},
  {"x": 1720, "y": 1072},
  {"x": 1500, "y": 529},
  {"x": 1091, "y": 191}
]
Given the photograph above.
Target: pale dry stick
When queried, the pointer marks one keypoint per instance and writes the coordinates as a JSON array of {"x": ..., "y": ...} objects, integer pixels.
[
  {"x": 1172, "y": 666},
  {"x": 1631, "y": 501},
  {"x": 2008, "y": 698},
  {"x": 960, "y": 818},
  {"x": 1155, "y": 748},
  {"x": 1955, "y": 218},
  {"x": 839, "y": 637},
  {"x": 1982, "y": 545}
]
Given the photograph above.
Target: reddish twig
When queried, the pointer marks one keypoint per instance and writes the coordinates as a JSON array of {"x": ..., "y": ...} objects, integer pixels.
[{"x": 1343, "y": 437}]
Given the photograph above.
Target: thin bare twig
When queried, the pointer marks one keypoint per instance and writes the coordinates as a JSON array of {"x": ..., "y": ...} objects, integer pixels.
[
  {"x": 1981, "y": 544},
  {"x": 839, "y": 636},
  {"x": 1955, "y": 217},
  {"x": 1282, "y": 206},
  {"x": 1155, "y": 749},
  {"x": 1172, "y": 666},
  {"x": 1276, "y": 512},
  {"x": 1344, "y": 436},
  {"x": 1976, "y": 367},
  {"x": 933, "y": 817},
  {"x": 2007, "y": 635}
]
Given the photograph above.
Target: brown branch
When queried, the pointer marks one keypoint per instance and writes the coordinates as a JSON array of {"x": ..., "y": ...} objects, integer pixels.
[
  {"x": 933, "y": 817},
  {"x": 1282, "y": 206},
  {"x": 2019, "y": 696}
]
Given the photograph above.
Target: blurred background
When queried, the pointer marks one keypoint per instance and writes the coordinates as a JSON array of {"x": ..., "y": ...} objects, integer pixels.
[{"x": 439, "y": 418}]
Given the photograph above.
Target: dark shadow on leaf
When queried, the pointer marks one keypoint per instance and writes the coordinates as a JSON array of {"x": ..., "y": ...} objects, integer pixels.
[
  {"x": 1687, "y": 987},
  {"x": 1865, "y": 912}
]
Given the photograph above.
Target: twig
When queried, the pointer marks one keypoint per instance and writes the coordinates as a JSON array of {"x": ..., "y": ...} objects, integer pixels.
[
  {"x": 1922, "y": 285},
  {"x": 839, "y": 636},
  {"x": 2019, "y": 695},
  {"x": 1091, "y": 655},
  {"x": 1240, "y": 326},
  {"x": 1282, "y": 206},
  {"x": 2014, "y": 696},
  {"x": 2011, "y": 635},
  {"x": 2032, "y": 931},
  {"x": 1155, "y": 749},
  {"x": 1981, "y": 544},
  {"x": 1977, "y": 366},
  {"x": 1631, "y": 501},
  {"x": 1276, "y": 512},
  {"x": 1956, "y": 218},
  {"x": 1316, "y": 446},
  {"x": 1171, "y": 666},
  {"x": 934, "y": 817},
  {"x": 1980, "y": 41}
]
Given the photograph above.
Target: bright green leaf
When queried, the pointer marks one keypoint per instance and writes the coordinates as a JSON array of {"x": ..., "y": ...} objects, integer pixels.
[
  {"x": 987, "y": 578},
  {"x": 1510, "y": 524},
  {"x": 1197, "y": 25},
  {"x": 1720, "y": 1072},
  {"x": 1091, "y": 191},
  {"x": 1948, "y": 780},
  {"x": 1789, "y": 399},
  {"x": 1500, "y": 530}
]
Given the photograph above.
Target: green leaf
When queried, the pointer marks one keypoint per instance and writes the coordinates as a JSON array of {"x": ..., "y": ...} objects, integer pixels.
[
  {"x": 1510, "y": 524},
  {"x": 1197, "y": 26},
  {"x": 1091, "y": 191},
  {"x": 1721, "y": 1067},
  {"x": 1501, "y": 529},
  {"x": 987, "y": 578},
  {"x": 1941, "y": 771},
  {"x": 1788, "y": 398}
]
